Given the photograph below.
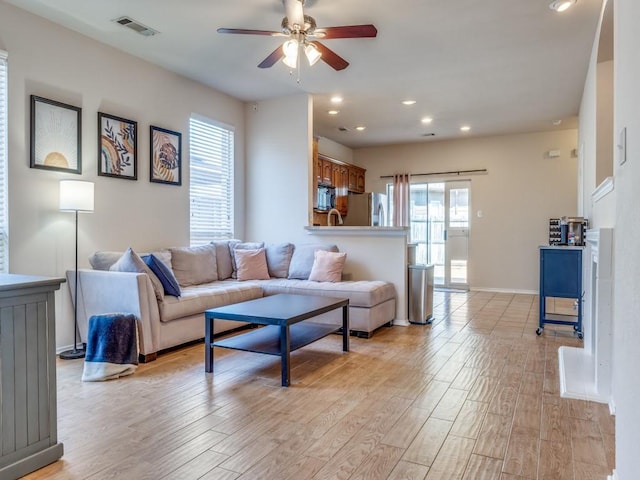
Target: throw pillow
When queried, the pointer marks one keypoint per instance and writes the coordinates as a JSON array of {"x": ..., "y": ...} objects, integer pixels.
[
  {"x": 104, "y": 260},
  {"x": 131, "y": 262},
  {"x": 303, "y": 258},
  {"x": 327, "y": 266},
  {"x": 194, "y": 265},
  {"x": 223, "y": 258},
  {"x": 252, "y": 264},
  {"x": 235, "y": 245},
  {"x": 278, "y": 259},
  {"x": 164, "y": 274}
]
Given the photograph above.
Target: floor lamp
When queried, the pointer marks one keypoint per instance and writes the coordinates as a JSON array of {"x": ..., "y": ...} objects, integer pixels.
[{"x": 75, "y": 196}]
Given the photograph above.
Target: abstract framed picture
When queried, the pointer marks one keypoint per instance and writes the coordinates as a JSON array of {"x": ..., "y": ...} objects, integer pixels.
[
  {"x": 166, "y": 156},
  {"x": 56, "y": 131},
  {"x": 117, "y": 147}
]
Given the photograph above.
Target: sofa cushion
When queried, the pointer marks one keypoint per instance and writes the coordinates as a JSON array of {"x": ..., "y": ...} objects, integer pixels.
[
  {"x": 198, "y": 298},
  {"x": 130, "y": 261},
  {"x": 303, "y": 257},
  {"x": 164, "y": 274},
  {"x": 278, "y": 259},
  {"x": 235, "y": 245},
  {"x": 327, "y": 266},
  {"x": 223, "y": 258},
  {"x": 194, "y": 265},
  {"x": 252, "y": 264},
  {"x": 363, "y": 293}
]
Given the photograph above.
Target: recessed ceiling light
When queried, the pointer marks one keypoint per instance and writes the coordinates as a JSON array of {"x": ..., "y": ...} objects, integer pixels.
[
  {"x": 427, "y": 120},
  {"x": 408, "y": 102},
  {"x": 333, "y": 112},
  {"x": 557, "y": 122},
  {"x": 465, "y": 128},
  {"x": 360, "y": 128},
  {"x": 336, "y": 99},
  {"x": 561, "y": 5}
]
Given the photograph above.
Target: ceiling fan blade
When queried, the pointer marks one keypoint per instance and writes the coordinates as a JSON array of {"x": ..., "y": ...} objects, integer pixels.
[
  {"x": 245, "y": 31},
  {"x": 347, "y": 31},
  {"x": 271, "y": 60},
  {"x": 331, "y": 58},
  {"x": 295, "y": 15}
]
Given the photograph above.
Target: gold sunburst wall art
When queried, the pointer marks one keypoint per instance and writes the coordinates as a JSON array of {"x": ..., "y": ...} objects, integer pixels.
[
  {"x": 117, "y": 147},
  {"x": 166, "y": 156},
  {"x": 56, "y": 130}
]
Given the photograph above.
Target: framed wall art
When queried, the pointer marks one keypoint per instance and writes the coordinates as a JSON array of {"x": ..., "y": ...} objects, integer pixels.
[
  {"x": 56, "y": 131},
  {"x": 117, "y": 147},
  {"x": 166, "y": 156}
]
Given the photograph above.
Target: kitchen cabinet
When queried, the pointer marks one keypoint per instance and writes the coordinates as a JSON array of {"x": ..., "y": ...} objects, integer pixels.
[
  {"x": 28, "y": 418},
  {"x": 360, "y": 180},
  {"x": 317, "y": 163},
  {"x": 327, "y": 171},
  {"x": 341, "y": 182}
]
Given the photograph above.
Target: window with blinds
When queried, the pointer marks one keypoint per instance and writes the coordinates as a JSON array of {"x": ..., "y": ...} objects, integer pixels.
[
  {"x": 4, "y": 101},
  {"x": 211, "y": 180}
]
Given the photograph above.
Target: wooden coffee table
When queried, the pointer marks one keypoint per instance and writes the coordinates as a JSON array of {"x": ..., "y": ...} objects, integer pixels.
[{"x": 284, "y": 330}]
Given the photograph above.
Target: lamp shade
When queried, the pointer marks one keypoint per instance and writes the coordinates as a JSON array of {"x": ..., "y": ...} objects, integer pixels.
[{"x": 76, "y": 196}]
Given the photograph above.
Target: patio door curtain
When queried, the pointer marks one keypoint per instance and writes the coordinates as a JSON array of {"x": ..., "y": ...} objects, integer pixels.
[{"x": 401, "y": 186}]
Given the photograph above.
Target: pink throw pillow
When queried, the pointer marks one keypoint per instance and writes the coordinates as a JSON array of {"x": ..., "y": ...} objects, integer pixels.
[
  {"x": 327, "y": 266},
  {"x": 252, "y": 264}
]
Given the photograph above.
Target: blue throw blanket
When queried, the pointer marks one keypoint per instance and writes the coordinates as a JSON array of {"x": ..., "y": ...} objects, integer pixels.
[{"x": 112, "y": 347}]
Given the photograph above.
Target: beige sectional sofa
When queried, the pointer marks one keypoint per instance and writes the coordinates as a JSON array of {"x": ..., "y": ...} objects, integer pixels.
[{"x": 167, "y": 321}]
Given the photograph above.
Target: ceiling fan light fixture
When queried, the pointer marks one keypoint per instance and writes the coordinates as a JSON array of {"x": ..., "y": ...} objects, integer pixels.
[
  {"x": 290, "y": 49},
  {"x": 312, "y": 53},
  {"x": 561, "y": 5}
]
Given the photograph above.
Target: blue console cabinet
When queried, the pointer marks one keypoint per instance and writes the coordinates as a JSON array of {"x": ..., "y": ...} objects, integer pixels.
[{"x": 561, "y": 277}]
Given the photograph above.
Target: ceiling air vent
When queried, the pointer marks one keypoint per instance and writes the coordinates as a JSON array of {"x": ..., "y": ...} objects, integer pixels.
[
  {"x": 136, "y": 26},
  {"x": 428, "y": 134},
  {"x": 343, "y": 129}
]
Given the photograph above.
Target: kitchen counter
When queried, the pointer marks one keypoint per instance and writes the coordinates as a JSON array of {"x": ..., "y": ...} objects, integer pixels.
[{"x": 342, "y": 230}]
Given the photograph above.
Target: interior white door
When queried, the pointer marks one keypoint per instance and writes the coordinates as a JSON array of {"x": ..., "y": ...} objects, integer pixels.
[{"x": 457, "y": 210}]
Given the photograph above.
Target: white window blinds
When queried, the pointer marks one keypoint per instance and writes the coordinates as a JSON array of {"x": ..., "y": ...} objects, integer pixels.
[
  {"x": 4, "y": 102},
  {"x": 211, "y": 180}
]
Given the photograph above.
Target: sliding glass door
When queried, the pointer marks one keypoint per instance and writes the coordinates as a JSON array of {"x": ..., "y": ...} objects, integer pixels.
[{"x": 439, "y": 226}]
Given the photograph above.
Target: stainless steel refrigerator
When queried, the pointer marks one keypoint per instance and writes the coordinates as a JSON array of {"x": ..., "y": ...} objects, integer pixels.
[{"x": 366, "y": 209}]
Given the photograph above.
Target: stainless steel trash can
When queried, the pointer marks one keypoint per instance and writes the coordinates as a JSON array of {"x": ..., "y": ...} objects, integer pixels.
[{"x": 420, "y": 294}]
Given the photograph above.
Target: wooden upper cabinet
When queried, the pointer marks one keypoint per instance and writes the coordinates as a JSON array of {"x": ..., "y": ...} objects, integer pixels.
[
  {"x": 356, "y": 179},
  {"x": 327, "y": 172},
  {"x": 360, "y": 182}
]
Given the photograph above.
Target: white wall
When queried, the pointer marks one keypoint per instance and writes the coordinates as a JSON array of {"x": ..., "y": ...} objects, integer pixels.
[
  {"x": 279, "y": 147},
  {"x": 335, "y": 150},
  {"x": 627, "y": 237},
  {"x": 53, "y": 62},
  {"x": 517, "y": 196}
]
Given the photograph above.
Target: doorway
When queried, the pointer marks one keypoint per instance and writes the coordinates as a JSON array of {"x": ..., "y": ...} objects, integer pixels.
[{"x": 439, "y": 226}]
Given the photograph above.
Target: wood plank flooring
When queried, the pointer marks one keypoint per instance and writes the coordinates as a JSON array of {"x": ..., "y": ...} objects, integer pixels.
[{"x": 473, "y": 396}]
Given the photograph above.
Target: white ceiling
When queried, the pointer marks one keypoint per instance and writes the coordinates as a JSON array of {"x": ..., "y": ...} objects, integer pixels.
[{"x": 500, "y": 66}]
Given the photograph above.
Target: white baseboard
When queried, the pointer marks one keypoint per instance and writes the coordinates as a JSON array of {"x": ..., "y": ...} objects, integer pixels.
[
  {"x": 612, "y": 407},
  {"x": 613, "y": 476},
  {"x": 504, "y": 290},
  {"x": 400, "y": 323}
]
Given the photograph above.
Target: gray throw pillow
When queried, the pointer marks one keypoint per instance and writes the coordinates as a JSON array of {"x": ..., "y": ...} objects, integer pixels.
[
  {"x": 194, "y": 265},
  {"x": 130, "y": 261},
  {"x": 278, "y": 259},
  {"x": 223, "y": 258},
  {"x": 233, "y": 245},
  {"x": 104, "y": 260},
  {"x": 303, "y": 256}
]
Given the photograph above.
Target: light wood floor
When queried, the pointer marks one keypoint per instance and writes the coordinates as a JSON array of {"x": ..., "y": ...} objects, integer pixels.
[{"x": 475, "y": 396}]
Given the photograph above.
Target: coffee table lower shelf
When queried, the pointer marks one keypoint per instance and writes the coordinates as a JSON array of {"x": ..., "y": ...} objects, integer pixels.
[{"x": 267, "y": 339}]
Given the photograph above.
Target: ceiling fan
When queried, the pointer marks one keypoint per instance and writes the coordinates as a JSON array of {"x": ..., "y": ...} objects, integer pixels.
[{"x": 303, "y": 35}]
